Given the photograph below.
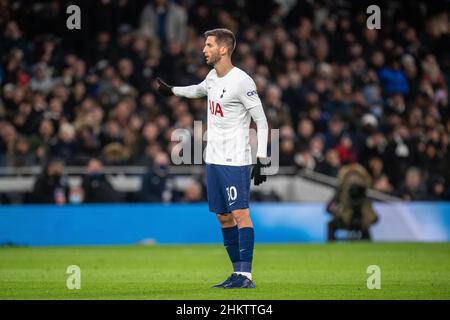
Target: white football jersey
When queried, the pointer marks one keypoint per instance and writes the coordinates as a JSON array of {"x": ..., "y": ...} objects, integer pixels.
[{"x": 229, "y": 99}]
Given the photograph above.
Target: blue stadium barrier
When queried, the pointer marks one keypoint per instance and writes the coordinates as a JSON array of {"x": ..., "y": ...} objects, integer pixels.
[{"x": 43, "y": 225}]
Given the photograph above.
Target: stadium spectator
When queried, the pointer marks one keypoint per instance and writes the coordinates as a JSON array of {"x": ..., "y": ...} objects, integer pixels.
[
  {"x": 317, "y": 148},
  {"x": 287, "y": 152},
  {"x": 193, "y": 193},
  {"x": 8, "y": 135},
  {"x": 40, "y": 141},
  {"x": 23, "y": 155},
  {"x": 382, "y": 184},
  {"x": 305, "y": 133},
  {"x": 331, "y": 165},
  {"x": 65, "y": 146},
  {"x": 346, "y": 151},
  {"x": 42, "y": 79},
  {"x": 376, "y": 167},
  {"x": 165, "y": 20},
  {"x": 277, "y": 112},
  {"x": 335, "y": 130},
  {"x": 436, "y": 189},
  {"x": 155, "y": 182},
  {"x": 393, "y": 79},
  {"x": 95, "y": 185},
  {"x": 413, "y": 188},
  {"x": 89, "y": 142},
  {"x": 52, "y": 185}
]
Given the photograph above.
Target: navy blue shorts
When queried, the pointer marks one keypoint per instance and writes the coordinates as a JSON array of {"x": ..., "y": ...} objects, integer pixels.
[{"x": 228, "y": 187}]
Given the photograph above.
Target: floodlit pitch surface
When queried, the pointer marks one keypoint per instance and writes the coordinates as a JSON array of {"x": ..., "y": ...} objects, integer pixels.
[{"x": 294, "y": 271}]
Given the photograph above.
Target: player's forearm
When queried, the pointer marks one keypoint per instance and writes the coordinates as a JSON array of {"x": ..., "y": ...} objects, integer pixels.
[
  {"x": 192, "y": 92},
  {"x": 262, "y": 134},
  {"x": 259, "y": 117}
]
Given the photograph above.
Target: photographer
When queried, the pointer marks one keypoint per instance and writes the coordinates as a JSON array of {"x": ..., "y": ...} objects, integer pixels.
[{"x": 350, "y": 207}]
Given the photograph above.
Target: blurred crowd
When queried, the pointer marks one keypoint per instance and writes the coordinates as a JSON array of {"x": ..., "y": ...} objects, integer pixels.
[{"x": 338, "y": 92}]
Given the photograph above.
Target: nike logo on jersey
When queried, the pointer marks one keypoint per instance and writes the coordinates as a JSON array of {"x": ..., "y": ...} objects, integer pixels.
[{"x": 230, "y": 204}]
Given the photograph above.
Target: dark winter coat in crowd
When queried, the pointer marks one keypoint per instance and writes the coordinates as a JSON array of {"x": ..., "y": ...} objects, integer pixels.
[
  {"x": 98, "y": 189},
  {"x": 50, "y": 189},
  {"x": 154, "y": 183}
]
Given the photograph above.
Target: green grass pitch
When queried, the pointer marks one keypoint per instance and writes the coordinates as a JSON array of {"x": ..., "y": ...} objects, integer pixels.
[{"x": 292, "y": 271}]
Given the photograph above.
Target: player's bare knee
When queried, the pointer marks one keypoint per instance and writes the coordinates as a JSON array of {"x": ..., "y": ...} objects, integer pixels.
[
  {"x": 226, "y": 220},
  {"x": 242, "y": 218}
]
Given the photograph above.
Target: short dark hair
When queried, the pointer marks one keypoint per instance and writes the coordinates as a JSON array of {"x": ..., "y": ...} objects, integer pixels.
[{"x": 223, "y": 36}]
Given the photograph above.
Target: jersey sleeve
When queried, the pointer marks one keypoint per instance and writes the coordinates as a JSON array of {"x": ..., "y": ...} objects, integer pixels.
[
  {"x": 262, "y": 127},
  {"x": 248, "y": 94},
  {"x": 250, "y": 99},
  {"x": 192, "y": 92}
]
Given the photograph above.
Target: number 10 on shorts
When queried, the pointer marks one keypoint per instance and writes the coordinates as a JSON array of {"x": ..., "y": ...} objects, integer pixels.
[{"x": 232, "y": 193}]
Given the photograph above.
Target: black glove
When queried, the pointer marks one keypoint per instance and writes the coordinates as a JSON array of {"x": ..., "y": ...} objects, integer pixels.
[
  {"x": 256, "y": 173},
  {"x": 164, "y": 89}
]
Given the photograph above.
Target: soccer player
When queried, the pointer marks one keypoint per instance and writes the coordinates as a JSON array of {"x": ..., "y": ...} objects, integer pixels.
[{"x": 232, "y": 102}]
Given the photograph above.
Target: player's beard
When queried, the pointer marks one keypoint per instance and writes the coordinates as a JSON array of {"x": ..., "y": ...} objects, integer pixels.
[{"x": 213, "y": 59}]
